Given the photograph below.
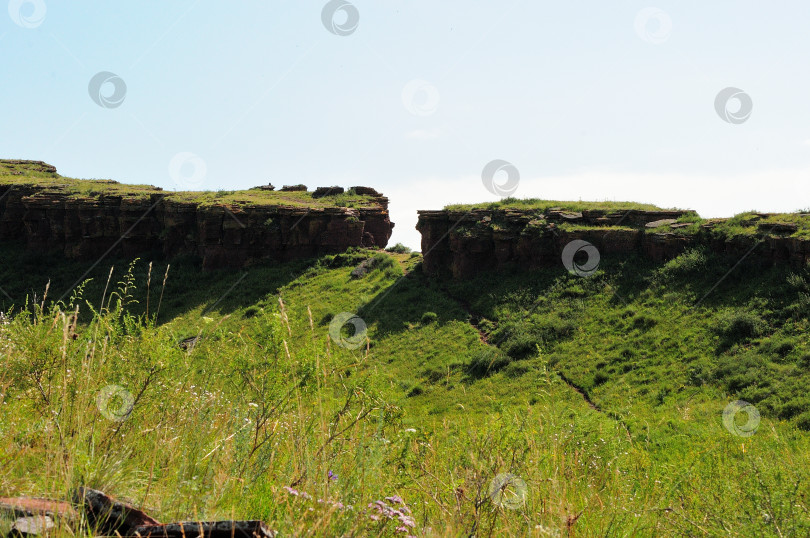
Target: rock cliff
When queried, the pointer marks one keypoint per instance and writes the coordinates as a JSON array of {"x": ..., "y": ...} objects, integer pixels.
[
  {"x": 466, "y": 241},
  {"x": 87, "y": 219}
]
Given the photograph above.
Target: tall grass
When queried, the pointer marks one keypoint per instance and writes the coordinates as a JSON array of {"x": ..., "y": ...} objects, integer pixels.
[{"x": 265, "y": 417}]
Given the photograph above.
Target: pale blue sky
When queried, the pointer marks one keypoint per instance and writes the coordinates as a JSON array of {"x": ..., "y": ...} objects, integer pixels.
[{"x": 581, "y": 101}]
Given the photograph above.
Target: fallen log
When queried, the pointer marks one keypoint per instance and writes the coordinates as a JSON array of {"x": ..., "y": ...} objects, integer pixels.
[
  {"x": 206, "y": 529},
  {"x": 35, "y": 506},
  {"x": 108, "y": 516}
]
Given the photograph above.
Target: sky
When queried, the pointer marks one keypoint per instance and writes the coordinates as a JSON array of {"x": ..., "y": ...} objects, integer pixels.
[{"x": 578, "y": 100}]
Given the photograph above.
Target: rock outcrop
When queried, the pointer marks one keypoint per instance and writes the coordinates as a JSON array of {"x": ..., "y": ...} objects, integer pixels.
[
  {"x": 465, "y": 242},
  {"x": 47, "y": 217}
]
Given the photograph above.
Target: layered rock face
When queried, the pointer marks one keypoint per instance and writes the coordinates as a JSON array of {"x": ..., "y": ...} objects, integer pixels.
[
  {"x": 464, "y": 243},
  {"x": 88, "y": 227}
]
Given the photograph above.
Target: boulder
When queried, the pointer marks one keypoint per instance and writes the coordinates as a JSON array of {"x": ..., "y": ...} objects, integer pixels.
[
  {"x": 364, "y": 268},
  {"x": 778, "y": 227},
  {"x": 31, "y": 526},
  {"x": 366, "y": 191},
  {"x": 320, "y": 192},
  {"x": 661, "y": 222}
]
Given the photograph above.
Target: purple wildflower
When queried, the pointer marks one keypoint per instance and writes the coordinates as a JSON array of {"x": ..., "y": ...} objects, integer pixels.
[
  {"x": 396, "y": 499},
  {"x": 332, "y": 476},
  {"x": 290, "y": 490}
]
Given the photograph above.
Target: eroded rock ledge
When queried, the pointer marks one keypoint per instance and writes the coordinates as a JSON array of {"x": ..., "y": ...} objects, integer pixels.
[
  {"x": 49, "y": 217},
  {"x": 466, "y": 242}
]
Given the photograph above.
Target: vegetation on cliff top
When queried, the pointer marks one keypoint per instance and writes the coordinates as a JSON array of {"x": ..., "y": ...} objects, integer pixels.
[
  {"x": 604, "y": 395},
  {"x": 748, "y": 224},
  {"x": 536, "y": 204},
  {"x": 35, "y": 175}
]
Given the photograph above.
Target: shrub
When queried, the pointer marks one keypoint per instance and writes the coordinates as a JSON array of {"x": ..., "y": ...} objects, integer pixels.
[
  {"x": 349, "y": 258},
  {"x": 521, "y": 345},
  {"x": 803, "y": 421},
  {"x": 738, "y": 326},
  {"x": 515, "y": 370},
  {"x": 794, "y": 407},
  {"x": 779, "y": 345},
  {"x": 799, "y": 307},
  {"x": 486, "y": 361},
  {"x": 520, "y": 340},
  {"x": 429, "y": 317},
  {"x": 383, "y": 261},
  {"x": 644, "y": 322},
  {"x": 250, "y": 312},
  {"x": 797, "y": 282},
  {"x": 691, "y": 262},
  {"x": 399, "y": 248}
]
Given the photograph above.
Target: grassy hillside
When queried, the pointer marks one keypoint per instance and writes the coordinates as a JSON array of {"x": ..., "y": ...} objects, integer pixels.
[{"x": 599, "y": 401}]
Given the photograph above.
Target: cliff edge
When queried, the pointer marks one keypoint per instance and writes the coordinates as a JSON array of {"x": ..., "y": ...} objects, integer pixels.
[
  {"x": 465, "y": 240},
  {"x": 87, "y": 219}
]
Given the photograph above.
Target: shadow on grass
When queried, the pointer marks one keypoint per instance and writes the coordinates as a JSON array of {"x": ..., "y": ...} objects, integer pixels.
[
  {"x": 24, "y": 277},
  {"x": 411, "y": 299}
]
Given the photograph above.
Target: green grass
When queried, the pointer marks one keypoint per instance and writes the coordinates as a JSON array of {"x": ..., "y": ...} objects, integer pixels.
[
  {"x": 536, "y": 204},
  {"x": 750, "y": 224},
  {"x": 747, "y": 225},
  {"x": 604, "y": 394}
]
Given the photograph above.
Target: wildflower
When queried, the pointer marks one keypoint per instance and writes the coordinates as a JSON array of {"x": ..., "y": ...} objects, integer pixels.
[
  {"x": 291, "y": 491},
  {"x": 332, "y": 476},
  {"x": 396, "y": 499}
]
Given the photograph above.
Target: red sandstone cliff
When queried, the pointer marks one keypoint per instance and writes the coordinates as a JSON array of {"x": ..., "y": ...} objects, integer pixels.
[
  {"x": 464, "y": 243},
  {"x": 47, "y": 218}
]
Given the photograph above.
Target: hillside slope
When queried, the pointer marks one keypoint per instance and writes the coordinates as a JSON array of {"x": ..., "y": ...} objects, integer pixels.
[{"x": 598, "y": 401}]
